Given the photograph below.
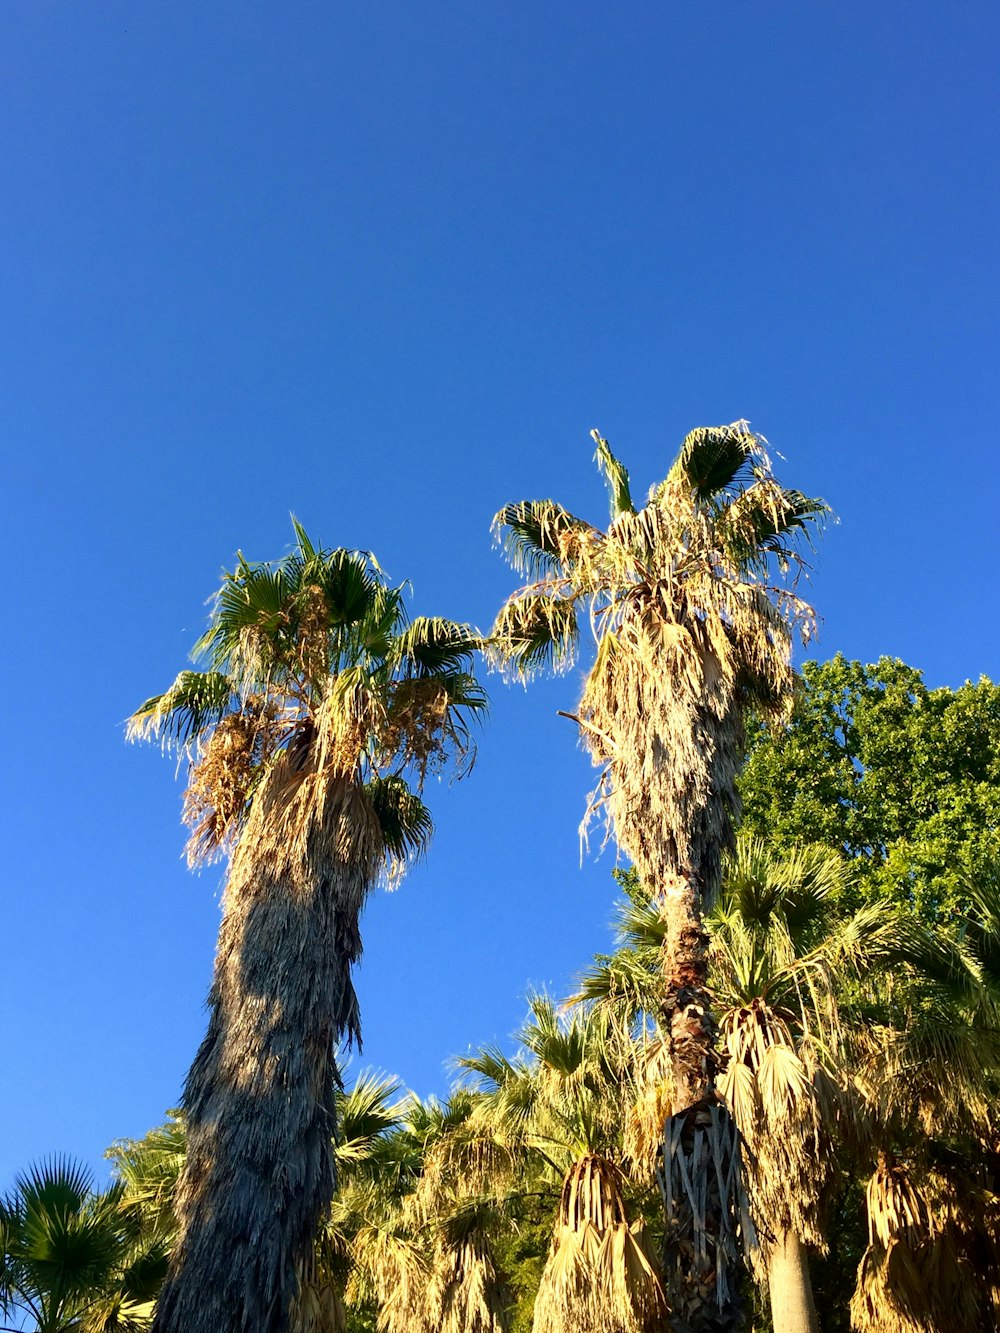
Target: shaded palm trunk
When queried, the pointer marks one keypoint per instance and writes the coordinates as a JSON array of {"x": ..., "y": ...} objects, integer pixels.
[
  {"x": 793, "y": 1309},
  {"x": 259, "y": 1099}
]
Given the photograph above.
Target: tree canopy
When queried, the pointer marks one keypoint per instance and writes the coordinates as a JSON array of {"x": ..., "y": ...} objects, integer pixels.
[{"x": 903, "y": 779}]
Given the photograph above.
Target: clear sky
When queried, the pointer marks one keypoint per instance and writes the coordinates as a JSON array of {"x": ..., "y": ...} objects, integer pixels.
[{"x": 385, "y": 266}]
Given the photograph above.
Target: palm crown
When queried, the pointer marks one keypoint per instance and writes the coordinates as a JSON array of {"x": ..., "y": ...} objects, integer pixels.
[{"x": 314, "y": 675}]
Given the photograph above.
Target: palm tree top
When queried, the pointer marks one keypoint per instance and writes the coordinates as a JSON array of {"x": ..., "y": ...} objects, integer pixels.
[
  {"x": 706, "y": 538},
  {"x": 314, "y": 654}
]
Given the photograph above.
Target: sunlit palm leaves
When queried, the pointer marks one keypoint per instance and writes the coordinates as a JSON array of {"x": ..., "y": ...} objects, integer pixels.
[{"x": 556, "y": 1110}]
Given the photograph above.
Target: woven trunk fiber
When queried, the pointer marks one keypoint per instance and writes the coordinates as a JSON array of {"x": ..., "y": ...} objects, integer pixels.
[{"x": 259, "y": 1099}]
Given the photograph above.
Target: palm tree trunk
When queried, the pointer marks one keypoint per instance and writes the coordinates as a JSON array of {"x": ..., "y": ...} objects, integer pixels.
[
  {"x": 792, "y": 1307},
  {"x": 687, "y": 1005},
  {"x": 259, "y": 1101},
  {"x": 701, "y": 1179}
]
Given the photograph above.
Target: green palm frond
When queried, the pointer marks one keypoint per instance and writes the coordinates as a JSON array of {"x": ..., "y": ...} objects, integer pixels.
[
  {"x": 534, "y": 533},
  {"x": 718, "y": 459},
  {"x": 798, "y": 888},
  {"x": 765, "y": 521},
  {"x": 195, "y": 702},
  {"x": 404, "y": 820},
  {"x": 149, "y": 1168},
  {"x": 431, "y": 645},
  {"x": 615, "y": 475},
  {"x": 75, "y": 1258},
  {"x": 366, "y": 1113},
  {"x": 535, "y": 632},
  {"x": 492, "y": 1066}
]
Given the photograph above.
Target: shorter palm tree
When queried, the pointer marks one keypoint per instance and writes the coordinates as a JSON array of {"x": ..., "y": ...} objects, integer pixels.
[
  {"x": 419, "y": 1230},
  {"x": 928, "y": 1076},
  {"x": 557, "y": 1110},
  {"x": 75, "y": 1258}
]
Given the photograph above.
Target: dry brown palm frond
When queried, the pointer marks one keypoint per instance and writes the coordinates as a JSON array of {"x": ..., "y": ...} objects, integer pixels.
[
  {"x": 649, "y": 1103},
  {"x": 318, "y": 1308},
  {"x": 897, "y": 1208},
  {"x": 465, "y": 1294},
  {"x": 393, "y": 1268},
  {"x": 223, "y": 778},
  {"x": 781, "y": 1097},
  {"x": 918, "y": 1274},
  {"x": 418, "y": 728},
  {"x": 600, "y": 1276}
]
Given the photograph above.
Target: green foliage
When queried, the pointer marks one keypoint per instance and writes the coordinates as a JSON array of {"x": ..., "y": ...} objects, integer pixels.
[
  {"x": 903, "y": 779},
  {"x": 521, "y": 1250},
  {"x": 75, "y": 1258}
]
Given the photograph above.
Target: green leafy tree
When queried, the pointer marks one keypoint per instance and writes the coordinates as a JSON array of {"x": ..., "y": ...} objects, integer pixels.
[
  {"x": 692, "y": 627},
  {"x": 904, "y": 779},
  {"x": 75, "y": 1258},
  {"x": 318, "y": 716}
]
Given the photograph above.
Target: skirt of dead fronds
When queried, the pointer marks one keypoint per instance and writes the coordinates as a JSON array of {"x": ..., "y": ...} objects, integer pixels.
[
  {"x": 465, "y": 1294},
  {"x": 648, "y": 1109},
  {"x": 922, "y": 1271},
  {"x": 707, "y": 1213},
  {"x": 600, "y": 1276}
]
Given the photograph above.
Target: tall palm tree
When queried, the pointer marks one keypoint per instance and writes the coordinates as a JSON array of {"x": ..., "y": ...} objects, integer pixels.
[
  {"x": 75, "y": 1258},
  {"x": 318, "y": 716},
  {"x": 691, "y": 631}
]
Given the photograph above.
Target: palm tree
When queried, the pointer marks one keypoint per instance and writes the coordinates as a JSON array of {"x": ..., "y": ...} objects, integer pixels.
[
  {"x": 73, "y": 1258},
  {"x": 690, "y": 633},
  {"x": 782, "y": 952},
  {"x": 928, "y": 1076},
  {"x": 148, "y": 1170},
  {"x": 311, "y": 731},
  {"x": 417, "y": 1229},
  {"x": 557, "y": 1111}
]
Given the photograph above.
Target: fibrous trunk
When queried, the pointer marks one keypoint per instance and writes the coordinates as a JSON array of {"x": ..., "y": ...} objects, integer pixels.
[
  {"x": 792, "y": 1307},
  {"x": 700, "y": 1176},
  {"x": 259, "y": 1097}
]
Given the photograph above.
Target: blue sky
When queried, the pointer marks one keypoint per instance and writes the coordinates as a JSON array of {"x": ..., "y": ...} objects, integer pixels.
[{"x": 385, "y": 267}]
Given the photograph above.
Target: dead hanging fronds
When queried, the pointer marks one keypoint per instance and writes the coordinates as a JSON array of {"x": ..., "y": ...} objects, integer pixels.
[
  {"x": 600, "y": 1276},
  {"x": 922, "y": 1271},
  {"x": 418, "y": 728},
  {"x": 393, "y": 1268},
  {"x": 650, "y": 1103},
  {"x": 223, "y": 779},
  {"x": 708, "y": 1223},
  {"x": 465, "y": 1293},
  {"x": 319, "y": 1304},
  {"x": 783, "y": 1101}
]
